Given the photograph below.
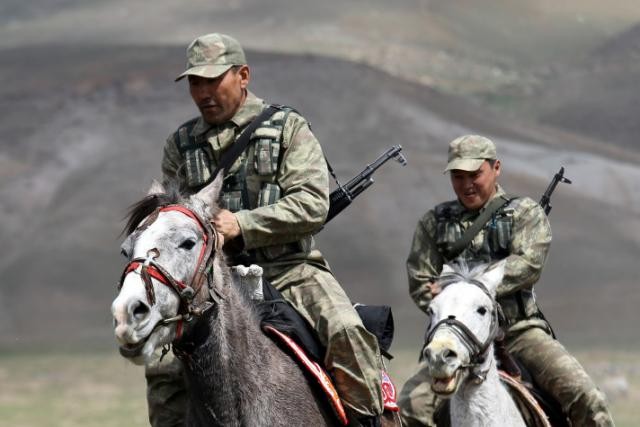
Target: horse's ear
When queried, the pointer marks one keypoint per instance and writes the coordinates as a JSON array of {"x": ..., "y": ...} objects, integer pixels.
[
  {"x": 492, "y": 277},
  {"x": 447, "y": 269},
  {"x": 210, "y": 194},
  {"x": 156, "y": 188}
]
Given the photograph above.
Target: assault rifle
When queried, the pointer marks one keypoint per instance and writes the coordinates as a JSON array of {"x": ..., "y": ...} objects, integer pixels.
[
  {"x": 342, "y": 196},
  {"x": 545, "y": 201}
]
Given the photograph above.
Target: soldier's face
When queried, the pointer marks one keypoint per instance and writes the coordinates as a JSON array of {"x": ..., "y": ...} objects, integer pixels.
[
  {"x": 220, "y": 98},
  {"x": 475, "y": 188}
]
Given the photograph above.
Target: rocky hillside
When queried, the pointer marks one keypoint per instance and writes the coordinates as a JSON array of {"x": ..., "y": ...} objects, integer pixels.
[
  {"x": 81, "y": 131},
  {"x": 598, "y": 96},
  {"x": 88, "y": 99}
]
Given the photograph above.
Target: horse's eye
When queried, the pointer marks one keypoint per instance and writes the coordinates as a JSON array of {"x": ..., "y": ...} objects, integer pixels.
[
  {"x": 187, "y": 244},
  {"x": 482, "y": 311}
]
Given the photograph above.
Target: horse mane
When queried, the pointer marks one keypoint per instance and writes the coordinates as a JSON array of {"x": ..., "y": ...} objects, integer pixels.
[
  {"x": 143, "y": 208},
  {"x": 465, "y": 270}
]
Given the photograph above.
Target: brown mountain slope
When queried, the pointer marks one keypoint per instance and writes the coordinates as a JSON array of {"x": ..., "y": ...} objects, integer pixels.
[
  {"x": 82, "y": 131},
  {"x": 598, "y": 96}
]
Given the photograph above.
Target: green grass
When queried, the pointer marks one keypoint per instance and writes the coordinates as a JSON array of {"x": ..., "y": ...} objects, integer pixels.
[
  {"x": 68, "y": 390},
  {"x": 103, "y": 390}
]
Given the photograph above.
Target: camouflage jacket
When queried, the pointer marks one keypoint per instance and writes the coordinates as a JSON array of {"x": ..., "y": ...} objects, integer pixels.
[
  {"x": 277, "y": 230},
  {"x": 518, "y": 232}
]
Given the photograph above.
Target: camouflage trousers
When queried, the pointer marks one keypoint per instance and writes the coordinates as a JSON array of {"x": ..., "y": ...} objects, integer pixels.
[
  {"x": 352, "y": 357},
  {"x": 551, "y": 366}
]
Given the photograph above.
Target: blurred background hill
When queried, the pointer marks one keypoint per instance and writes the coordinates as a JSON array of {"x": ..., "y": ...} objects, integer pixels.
[{"x": 88, "y": 99}]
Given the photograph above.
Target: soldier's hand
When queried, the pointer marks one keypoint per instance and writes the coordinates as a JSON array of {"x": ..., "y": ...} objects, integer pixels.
[
  {"x": 225, "y": 223},
  {"x": 435, "y": 288}
]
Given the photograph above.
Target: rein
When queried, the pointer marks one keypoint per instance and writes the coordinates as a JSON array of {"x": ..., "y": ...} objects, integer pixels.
[
  {"x": 150, "y": 269},
  {"x": 477, "y": 349}
]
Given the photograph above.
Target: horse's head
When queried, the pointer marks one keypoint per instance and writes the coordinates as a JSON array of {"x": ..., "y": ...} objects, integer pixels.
[
  {"x": 463, "y": 324},
  {"x": 170, "y": 247}
]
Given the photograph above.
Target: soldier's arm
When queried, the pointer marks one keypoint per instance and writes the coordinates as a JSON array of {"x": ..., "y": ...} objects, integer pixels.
[
  {"x": 424, "y": 262},
  {"x": 303, "y": 179},
  {"x": 531, "y": 237}
]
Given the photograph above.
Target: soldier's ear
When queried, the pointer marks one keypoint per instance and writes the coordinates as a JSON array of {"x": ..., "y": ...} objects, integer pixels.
[{"x": 245, "y": 76}]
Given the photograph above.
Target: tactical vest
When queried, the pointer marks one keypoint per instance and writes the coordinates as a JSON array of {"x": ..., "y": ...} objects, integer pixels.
[
  {"x": 252, "y": 179},
  {"x": 495, "y": 245},
  {"x": 496, "y": 233}
]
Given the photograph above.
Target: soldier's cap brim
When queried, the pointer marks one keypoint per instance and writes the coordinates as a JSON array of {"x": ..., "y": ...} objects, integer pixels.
[
  {"x": 206, "y": 71},
  {"x": 469, "y": 165}
]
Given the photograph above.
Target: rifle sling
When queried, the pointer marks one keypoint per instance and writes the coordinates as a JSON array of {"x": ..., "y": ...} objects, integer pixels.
[
  {"x": 232, "y": 154},
  {"x": 459, "y": 245}
]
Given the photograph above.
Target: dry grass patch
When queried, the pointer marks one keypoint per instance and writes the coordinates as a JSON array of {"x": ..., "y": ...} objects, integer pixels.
[{"x": 103, "y": 390}]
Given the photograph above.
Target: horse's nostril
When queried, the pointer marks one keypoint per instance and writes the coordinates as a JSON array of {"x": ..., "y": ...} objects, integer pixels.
[
  {"x": 449, "y": 354},
  {"x": 140, "y": 310}
]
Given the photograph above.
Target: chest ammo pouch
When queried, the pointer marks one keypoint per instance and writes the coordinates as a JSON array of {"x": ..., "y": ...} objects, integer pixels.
[
  {"x": 197, "y": 155},
  {"x": 455, "y": 248},
  {"x": 250, "y": 166},
  {"x": 498, "y": 221}
]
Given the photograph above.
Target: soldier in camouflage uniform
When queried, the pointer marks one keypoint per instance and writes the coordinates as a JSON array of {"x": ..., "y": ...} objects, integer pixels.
[
  {"x": 520, "y": 233},
  {"x": 276, "y": 196}
]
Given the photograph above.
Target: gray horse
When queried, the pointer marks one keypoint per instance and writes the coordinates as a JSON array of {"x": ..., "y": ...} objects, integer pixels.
[
  {"x": 177, "y": 285},
  {"x": 177, "y": 289}
]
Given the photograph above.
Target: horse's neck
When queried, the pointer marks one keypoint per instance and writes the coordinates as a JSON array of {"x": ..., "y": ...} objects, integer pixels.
[
  {"x": 225, "y": 372},
  {"x": 487, "y": 404}
]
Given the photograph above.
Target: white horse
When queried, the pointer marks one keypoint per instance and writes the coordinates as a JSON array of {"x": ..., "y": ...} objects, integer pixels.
[{"x": 459, "y": 348}]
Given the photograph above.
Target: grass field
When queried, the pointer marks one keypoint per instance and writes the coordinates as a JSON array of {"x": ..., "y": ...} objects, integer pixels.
[
  {"x": 104, "y": 390},
  {"x": 69, "y": 390}
]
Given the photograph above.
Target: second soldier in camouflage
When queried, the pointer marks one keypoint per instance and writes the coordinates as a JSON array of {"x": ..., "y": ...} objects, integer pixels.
[{"x": 519, "y": 232}]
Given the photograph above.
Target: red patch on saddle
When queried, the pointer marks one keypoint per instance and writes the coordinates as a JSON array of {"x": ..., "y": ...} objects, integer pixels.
[{"x": 389, "y": 394}]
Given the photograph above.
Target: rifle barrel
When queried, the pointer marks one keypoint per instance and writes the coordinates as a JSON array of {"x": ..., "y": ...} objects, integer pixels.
[
  {"x": 545, "y": 200},
  {"x": 392, "y": 152},
  {"x": 342, "y": 197}
]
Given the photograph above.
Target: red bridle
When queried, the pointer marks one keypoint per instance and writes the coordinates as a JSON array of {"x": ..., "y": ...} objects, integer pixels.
[{"x": 151, "y": 269}]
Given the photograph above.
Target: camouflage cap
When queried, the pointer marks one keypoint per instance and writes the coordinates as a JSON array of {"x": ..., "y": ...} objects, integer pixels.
[
  {"x": 468, "y": 152},
  {"x": 212, "y": 54}
]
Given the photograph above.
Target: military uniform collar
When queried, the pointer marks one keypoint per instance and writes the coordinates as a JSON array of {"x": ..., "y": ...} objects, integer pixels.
[
  {"x": 467, "y": 214},
  {"x": 248, "y": 111}
]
